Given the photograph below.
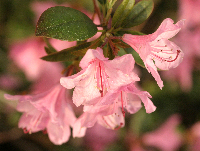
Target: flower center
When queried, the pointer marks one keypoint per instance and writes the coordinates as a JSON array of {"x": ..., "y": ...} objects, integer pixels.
[{"x": 35, "y": 124}]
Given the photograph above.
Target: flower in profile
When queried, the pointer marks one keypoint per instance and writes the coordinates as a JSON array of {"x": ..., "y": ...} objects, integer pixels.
[
  {"x": 48, "y": 111},
  {"x": 156, "y": 50},
  {"x": 98, "y": 76}
]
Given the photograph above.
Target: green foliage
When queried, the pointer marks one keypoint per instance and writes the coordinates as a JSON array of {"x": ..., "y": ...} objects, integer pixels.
[
  {"x": 68, "y": 54},
  {"x": 140, "y": 12},
  {"x": 122, "y": 12},
  {"x": 65, "y": 23}
]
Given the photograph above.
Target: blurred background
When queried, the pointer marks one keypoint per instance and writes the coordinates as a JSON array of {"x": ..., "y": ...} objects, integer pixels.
[{"x": 174, "y": 126}]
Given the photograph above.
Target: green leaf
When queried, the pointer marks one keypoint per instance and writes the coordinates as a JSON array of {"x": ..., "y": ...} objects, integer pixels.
[
  {"x": 102, "y": 2},
  {"x": 65, "y": 23},
  {"x": 122, "y": 12},
  {"x": 140, "y": 12},
  {"x": 68, "y": 54}
]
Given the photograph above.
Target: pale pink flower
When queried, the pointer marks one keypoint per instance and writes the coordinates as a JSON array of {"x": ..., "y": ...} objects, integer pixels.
[
  {"x": 98, "y": 76},
  {"x": 49, "y": 111},
  {"x": 156, "y": 50},
  {"x": 165, "y": 137}
]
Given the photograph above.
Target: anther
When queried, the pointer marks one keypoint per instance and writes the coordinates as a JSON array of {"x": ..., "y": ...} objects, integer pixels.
[
  {"x": 101, "y": 91},
  {"x": 178, "y": 52},
  {"x": 123, "y": 112}
]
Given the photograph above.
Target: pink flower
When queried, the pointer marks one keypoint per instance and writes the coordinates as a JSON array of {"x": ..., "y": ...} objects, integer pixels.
[
  {"x": 165, "y": 138},
  {"x": 49, "y": 111},
  {"x": 98, "y": 76},
  {"x": 156, "y": 50}
]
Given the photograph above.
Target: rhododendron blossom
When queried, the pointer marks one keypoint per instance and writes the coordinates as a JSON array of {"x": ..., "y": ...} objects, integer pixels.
[
  {"x": 156, "y": 50},
  {"x": 46, "y": 111},
  {"x": 98, "y": 76}
]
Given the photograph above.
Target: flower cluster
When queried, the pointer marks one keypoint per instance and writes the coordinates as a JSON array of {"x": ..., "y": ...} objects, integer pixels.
[{"x": 105, "y": 87}]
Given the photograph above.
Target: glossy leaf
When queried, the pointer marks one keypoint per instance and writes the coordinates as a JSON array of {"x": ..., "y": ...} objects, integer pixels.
[
  {"x": 68, "y": 54},
  {"x": 65, "y": 23},
  {"x": 122, "y": 12},
  {"x": 140, "y": 12}
]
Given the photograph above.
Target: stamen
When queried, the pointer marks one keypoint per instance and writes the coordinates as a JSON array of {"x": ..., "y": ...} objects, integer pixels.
[
  {"x": 165, "y": 59},
  {"x": 106, "y": 123},
  {"x": 101, "y": 91},
  {"x": 123, "y": 112},
  {"x": 178, "y": 52},
  {"x": 120, "y": 126}
]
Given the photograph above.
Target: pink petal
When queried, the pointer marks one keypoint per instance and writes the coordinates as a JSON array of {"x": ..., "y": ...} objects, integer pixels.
[
  {"x": 90, "y": 55},
  {"x": 58, "y": 134}
]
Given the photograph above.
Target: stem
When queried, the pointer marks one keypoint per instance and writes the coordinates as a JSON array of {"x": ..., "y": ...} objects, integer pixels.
[
  {"x": 94, "y": 43},
  {"x": 108, "y": 15},
  {"x": 97, "y": 10},
  {"x": 49, "y": 45},
  {"x": 101, "y": 30},
  {"x": 113, "y": 3},
  {"x": 114, "y": 37}
]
